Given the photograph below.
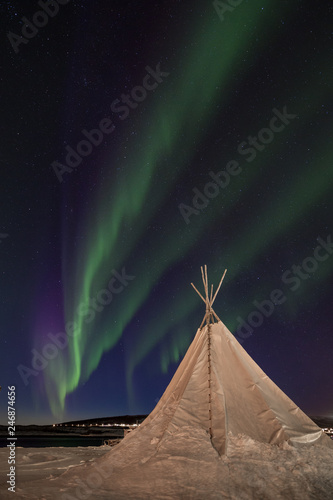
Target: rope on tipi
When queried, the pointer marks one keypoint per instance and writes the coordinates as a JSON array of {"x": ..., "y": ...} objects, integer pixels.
[{"x": 208, "y": 319}]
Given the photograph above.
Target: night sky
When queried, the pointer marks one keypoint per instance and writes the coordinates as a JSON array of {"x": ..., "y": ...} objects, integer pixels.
[{"x": 141, "y": 140}]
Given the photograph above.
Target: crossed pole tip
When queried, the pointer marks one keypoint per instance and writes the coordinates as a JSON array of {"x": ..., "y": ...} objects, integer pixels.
[{"x": 209, "y": 300}]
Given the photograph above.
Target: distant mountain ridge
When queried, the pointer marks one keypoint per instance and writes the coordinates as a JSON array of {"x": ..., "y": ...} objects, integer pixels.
[
  {"x": 123, "y": 419},
  {"x": 127, "y": 420}
]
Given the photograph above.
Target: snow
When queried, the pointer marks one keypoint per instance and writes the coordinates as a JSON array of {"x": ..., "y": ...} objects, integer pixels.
[{"x": 182, "y": 465}]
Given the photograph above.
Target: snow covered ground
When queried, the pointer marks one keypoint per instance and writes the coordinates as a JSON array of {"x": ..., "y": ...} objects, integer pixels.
[{"x": 183, "y": 466}]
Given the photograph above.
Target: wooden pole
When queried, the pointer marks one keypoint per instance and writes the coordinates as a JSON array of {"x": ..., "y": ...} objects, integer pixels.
[
  {"x": 198, "y": 293},
  {"x": 218, "y": 288}
]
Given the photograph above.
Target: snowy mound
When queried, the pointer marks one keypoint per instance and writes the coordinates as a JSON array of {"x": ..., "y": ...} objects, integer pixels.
[
  {"x": 181, "y": 466},
  {"x": 185, "y": 466}
]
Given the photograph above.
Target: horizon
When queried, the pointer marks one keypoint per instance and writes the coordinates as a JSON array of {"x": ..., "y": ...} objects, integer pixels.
[{"x": 316, "y": 417}]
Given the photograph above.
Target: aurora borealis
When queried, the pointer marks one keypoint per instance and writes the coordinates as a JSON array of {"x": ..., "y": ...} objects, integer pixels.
[{"x": 107, "y": 252}]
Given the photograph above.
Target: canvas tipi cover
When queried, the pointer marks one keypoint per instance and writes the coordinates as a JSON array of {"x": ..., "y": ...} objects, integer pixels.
[{"x": 220, "y": 388}]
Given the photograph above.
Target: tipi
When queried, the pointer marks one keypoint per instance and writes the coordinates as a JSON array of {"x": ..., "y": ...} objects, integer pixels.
[{"x": 219, "y": 388}]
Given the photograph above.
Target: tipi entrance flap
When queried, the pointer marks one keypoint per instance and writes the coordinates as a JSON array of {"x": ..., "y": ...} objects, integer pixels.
[
  {"x": 298, "y": 427},
  {"x": 246, "y": 410}
]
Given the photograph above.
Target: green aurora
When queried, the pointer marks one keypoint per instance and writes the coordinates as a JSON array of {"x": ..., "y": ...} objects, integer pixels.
[{"x": 119, "y": 217}]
